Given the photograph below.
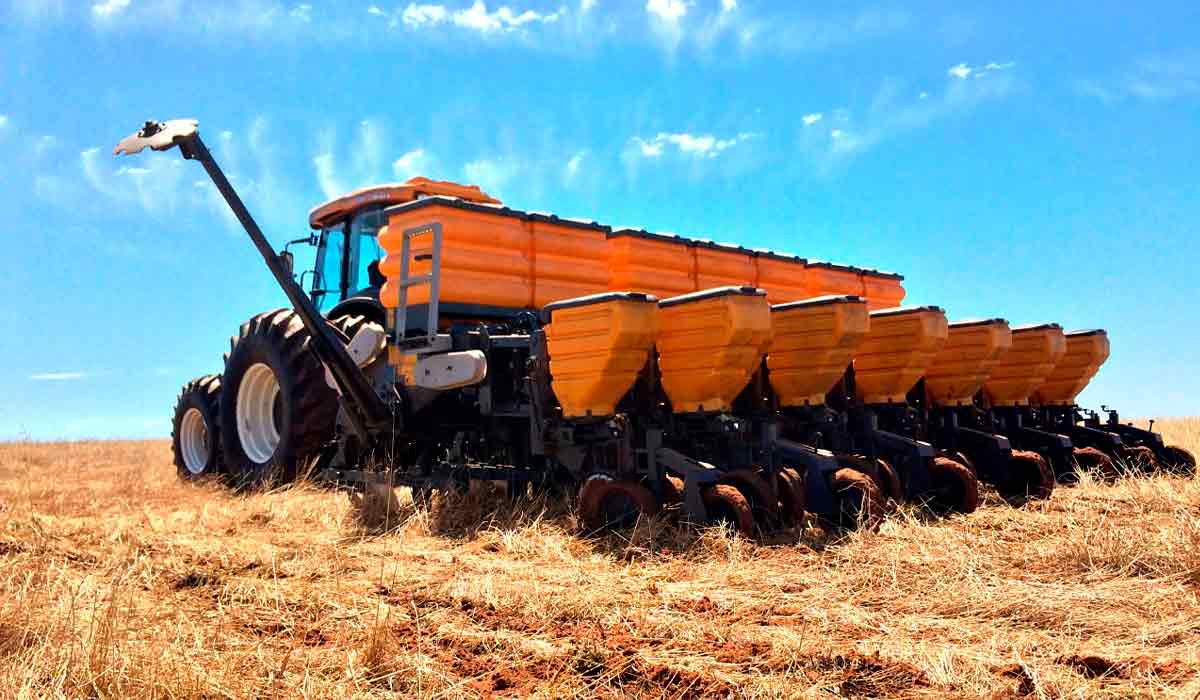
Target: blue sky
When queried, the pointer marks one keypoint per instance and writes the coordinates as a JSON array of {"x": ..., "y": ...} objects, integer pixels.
[{"x": 1039, "y": 164}]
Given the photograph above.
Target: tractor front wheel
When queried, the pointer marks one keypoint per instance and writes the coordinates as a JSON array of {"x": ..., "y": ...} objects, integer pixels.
[{"x": 277, "y": 409}]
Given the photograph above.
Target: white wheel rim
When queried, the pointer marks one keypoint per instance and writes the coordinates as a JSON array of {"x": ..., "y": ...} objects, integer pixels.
[
  {"x": 256, "y": 413},
  {"x": 193, "y": 441}
]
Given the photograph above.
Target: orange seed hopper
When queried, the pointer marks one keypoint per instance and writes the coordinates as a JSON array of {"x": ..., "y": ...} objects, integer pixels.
[
  {"x": 1086, "y": 351},
  {"x": 494, "y": 256},
  {"x": 486, "y": 253},
  {"x": 649, "y": 262},
  {"x": 898, "y": 349},
  {"x": 972, "y": 349},
  {"x": 1034, "y": 353},
  {"x": 710, "y": 343},
  {"x": 812, "y": 345},
  {"x": 597, "y": 345}
]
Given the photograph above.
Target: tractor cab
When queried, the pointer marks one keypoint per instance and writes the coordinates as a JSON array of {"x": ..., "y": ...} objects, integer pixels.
[{"x": 347, "y": 228}]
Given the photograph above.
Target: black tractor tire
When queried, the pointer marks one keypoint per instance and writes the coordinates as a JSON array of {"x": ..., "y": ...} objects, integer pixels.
[
  {"x": 348, "y": 326},
  {"x": 196, "y": 430},
  {"x": 272, "y": 349}
]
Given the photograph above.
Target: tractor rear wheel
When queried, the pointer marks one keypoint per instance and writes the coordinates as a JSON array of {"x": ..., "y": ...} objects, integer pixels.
[
  {"x": 1179, "y": 461},
  {"x": 1029, "y": 477},
  {"x": 278, "y": 411},
  {"x": 726, "y": 505},
  {"x": 195, "y": 429},
  {"x": 859, "y": 501},
  {"x": 955, "y": 487},
  {"x": 606, "y": 503}
]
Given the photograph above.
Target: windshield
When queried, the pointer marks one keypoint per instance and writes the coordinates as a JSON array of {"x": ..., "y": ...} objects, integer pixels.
[
  {"x": 327, "y": 286},
  {"x": 365, "y": 249}
]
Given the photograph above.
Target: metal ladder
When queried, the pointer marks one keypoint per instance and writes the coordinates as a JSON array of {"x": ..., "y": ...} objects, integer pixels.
[{"x": 406, "y": 282}]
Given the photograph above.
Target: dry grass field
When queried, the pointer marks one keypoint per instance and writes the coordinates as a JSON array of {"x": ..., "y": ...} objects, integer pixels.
[{"x": 116, "y": 580}]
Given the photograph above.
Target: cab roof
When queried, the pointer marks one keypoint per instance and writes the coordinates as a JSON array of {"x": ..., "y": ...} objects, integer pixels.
[{"x": 396, "y": 193}]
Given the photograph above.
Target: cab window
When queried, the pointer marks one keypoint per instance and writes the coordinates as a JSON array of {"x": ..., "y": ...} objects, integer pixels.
[
  {"x": 365, "y": 249},
  {"x": 329, "y": 283}
]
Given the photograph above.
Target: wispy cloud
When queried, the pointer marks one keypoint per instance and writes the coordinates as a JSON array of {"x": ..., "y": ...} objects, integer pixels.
[
  {"x": 962, "y": 71},
  {"x": 3, "y": 122},
  {"x": 416, "y": 162},
  {"x": 567, "y": 26},
  {"x": 1158, "y": 78},
  {"x": 364, "y": 163},
  {"x": 58, "y": 376},
  {"x": 667, "y": 10},
  {"x": 895, "y": 110},
  {"x": 572, "y": 167},
  {"x": 696, "y": 146},
  {"x": 163, "y": 184},
  {"x": 301, "y": 12},
  {"x": 810, "y": 119},
  {"x": 109, "y": 8},
  {"x": 476, "y": 17}
]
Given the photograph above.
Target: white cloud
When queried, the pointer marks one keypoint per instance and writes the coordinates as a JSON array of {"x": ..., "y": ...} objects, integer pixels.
[
  {"x": 960, "y": 71},
  {"x": 696, "y": 146},
  {"x": 585, "y": 5},
  {"x": 374, "y": 10},
  {"x": 669, "y": 10},
  {"x": 649, "y": 149},
  {"x": 810, "y": 119},
  {"x": 416, "y": 15},
  {"x": 728, "y": 5},
  {"x": 963, "y": 71},
  {"x": 3, "y": 121},
  {"x": 58, "y": 376},
  {"x": 302, "y": 12},
  {"x": 477, "y": 17},
  {"x": 571, "y": 169},
  {"x": 412, "y": 164},
  {"x": 109, "y": 8}
]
